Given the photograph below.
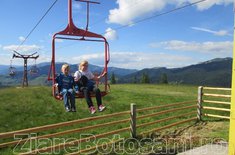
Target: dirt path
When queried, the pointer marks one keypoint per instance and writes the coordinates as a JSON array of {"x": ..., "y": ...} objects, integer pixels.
[{"x": 209, "y": 149}]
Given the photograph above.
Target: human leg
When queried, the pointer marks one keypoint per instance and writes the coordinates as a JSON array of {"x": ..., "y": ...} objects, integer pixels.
[
  {"x": 65, "y": 97},
  {"x": 98, "y": 99},
  {"x": 98, "y": 96},
  {"x": 72, "y": 100},
  {"x": 87, "y": 96}
]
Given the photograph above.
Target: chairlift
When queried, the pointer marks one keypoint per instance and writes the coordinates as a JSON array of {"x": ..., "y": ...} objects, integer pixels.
[
  {"x": 34, "y": 69},
  {"x": 12, "y": 70},
  {"x": 71, "y": 32}
]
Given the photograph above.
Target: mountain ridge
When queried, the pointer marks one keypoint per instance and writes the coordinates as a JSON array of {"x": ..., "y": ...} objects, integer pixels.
[{"x": 215, "y": 72}]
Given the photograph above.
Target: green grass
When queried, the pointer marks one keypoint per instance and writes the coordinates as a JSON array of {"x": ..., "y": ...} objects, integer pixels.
[{"x": 34, "y": 106}]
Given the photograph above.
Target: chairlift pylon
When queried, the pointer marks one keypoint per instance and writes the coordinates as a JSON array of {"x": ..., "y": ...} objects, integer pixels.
[{"x": 25, "y": 57}]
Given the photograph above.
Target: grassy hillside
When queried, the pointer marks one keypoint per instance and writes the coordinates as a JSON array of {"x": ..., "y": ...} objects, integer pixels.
[{"x": 34, "y": 106}]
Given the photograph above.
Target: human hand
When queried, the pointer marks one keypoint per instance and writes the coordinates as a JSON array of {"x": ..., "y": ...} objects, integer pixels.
[{"x": 104, "y": 73}]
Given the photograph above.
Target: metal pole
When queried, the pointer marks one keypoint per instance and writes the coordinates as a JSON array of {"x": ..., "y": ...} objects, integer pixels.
[
  {"x": 25, "y": 77},
  {"x": 70, "y": 16},
  {"x": 232, "y": 113}
]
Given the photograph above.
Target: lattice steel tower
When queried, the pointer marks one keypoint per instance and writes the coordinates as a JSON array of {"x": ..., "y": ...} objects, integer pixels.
[{"x": 25, "y": 57}]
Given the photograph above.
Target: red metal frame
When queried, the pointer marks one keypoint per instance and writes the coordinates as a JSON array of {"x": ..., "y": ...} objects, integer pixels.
[{"x": 71, "y": 32}]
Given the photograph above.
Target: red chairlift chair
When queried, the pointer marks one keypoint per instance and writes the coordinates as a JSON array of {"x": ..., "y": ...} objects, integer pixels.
[{"x": 71, "y": 32}]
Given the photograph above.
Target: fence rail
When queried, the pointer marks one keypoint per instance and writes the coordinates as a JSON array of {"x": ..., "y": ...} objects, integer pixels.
[
  {"x": 215, "y": 108},
  {"x": 216, "y": 116},
  {"x": 184, "y": 112},
  {"x": 165, "y": 119},
  {"x": 165, "y": 106},
  {"x": 212, "y": 100},
  {"x": 171, "y": 125},
  {"x": 217, "y": 95},
  {"x": 58, "y": 125},
  {"x": 75, "y": 142},
  {"x": 216, "y": 88},
  {"x": 132, "y": 129},
  {"x": 166, "y": 111},
  {"x": 64, "y": 133},
  {"x": 217, "y": 102}
]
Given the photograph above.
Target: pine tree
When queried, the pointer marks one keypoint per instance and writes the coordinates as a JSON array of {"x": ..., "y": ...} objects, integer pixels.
[
  {"x": 134, "y": 79},
  {"x": 145, "y": 78},
  {"x": 113, "y": 79},
  {"x": 164, "y": 78}
]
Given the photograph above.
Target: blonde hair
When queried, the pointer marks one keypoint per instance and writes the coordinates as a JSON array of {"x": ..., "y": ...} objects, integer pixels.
[
  {"x": 64, "y": 66},
  {"x": 84, "y": 62}
]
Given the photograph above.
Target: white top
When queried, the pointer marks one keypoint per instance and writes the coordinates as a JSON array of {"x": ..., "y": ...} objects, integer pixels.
[{"x": 88, "y": 74}]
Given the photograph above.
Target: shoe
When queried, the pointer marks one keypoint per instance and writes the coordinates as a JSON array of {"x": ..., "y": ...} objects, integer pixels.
[
  {"x": 101, "y": 108},
  {"x": 67, "y": 109},
  {"x": 73, "y": 109},
  {"x": 92, "y": 110}
]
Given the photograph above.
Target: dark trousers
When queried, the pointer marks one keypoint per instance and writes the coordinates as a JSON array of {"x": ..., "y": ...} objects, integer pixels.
[{"x": 86, "y": 91}]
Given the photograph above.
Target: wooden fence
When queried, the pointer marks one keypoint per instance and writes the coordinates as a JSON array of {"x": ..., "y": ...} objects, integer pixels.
[
  {"x": 135, "y": 115},
  {"x": 146, "y": 119},
  {"x": 213, "y": 100}
]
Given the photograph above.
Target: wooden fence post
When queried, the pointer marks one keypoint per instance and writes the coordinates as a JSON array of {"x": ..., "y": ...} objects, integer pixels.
[
  {"x": 199, "y": 103},
  {"x": 133, "y": 120}
]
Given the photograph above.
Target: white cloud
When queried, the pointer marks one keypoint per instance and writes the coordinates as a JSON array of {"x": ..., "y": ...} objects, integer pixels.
[
  {"x": 110, "y": 34},
  {"x": 5, "y": 59},
  {"x": 171, "y": 57},
  {"x": 217, "y": 33},
  {"x": 22, "y": 48},
  {"x": 134, "y": 60},
  {"x": 130, "y": 10},
  {"x": 131, "y": 60},
  {"x": 93, "y": 58},
  {"x": 223, "y": 48},
  {"x": 140, "y": 60},
  {"x": 209, "y": 3},
  {"x": 43, "y": 58},
  {"x": 21, "y": 38}
]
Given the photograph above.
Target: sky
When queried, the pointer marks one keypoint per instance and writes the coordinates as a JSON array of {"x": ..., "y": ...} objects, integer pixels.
[{"x": 141, "y": 33}]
